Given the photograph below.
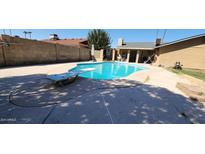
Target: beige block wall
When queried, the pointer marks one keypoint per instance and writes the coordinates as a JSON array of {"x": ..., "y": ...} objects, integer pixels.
[
  {"x": 25, "y": 51},
  {"x": 28, "y": 52},
  {"x": 191, "y": 54},
  {"x": 1, "y": 52},
  {"x": 67, "y": 53},
  {"x": 1, "y": 57},
  {"x": 84, "y": 54}
]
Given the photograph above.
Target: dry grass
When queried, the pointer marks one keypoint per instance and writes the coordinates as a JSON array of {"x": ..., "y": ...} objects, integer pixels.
[{"x": 200, "y": 74}]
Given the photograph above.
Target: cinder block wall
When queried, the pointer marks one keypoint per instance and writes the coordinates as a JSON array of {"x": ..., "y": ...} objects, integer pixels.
[
  {"x": 84, "y": 54},
  {"x": 1, "y": 52},
  {"x": 190, "y": 53},
  {"x": 21, "y": 51},
  {"x": 67, "y": 53},
  {"x": 1, "y": 56}
]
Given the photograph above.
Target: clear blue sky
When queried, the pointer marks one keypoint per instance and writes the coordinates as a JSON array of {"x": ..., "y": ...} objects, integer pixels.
[{"x": 128, "y": 35}]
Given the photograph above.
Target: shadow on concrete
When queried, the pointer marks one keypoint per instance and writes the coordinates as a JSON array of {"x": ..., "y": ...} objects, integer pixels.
[{"x": 36, "y": 100}]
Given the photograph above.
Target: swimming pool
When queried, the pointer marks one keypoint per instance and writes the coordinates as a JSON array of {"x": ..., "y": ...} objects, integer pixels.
[{"x": 108, "y": 70}]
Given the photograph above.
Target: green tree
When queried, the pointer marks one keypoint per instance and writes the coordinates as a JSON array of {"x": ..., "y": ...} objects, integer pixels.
[{"x": 100, "y": 38}]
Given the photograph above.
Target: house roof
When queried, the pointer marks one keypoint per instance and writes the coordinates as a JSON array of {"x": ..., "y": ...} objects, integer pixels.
[
  {"x": 70, "y": 42},
  {"x": 181, "y": 40},
  {"x": 138, "y": 45},
  {"x": 151, "y": 45}
]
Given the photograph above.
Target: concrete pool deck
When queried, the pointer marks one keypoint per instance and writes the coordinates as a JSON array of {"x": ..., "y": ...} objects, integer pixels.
[{"x": 128, "y": 100}]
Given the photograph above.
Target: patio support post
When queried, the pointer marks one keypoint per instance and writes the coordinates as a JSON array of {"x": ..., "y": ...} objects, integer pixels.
[
  {"x": 113, "y": 55},
  {"x": 118, "y": 54},
  {"x": 137, "y": 56},
  {"x": 128, "y": 56},
  {"x": 101, "y": 54}
]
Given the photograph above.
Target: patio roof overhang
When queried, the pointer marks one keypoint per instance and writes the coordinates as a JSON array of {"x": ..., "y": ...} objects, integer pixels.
[{"x": 133, "y": 48}]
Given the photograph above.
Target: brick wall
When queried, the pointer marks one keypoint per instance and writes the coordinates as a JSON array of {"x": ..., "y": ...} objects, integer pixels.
[{"x": 21, "y": 51}]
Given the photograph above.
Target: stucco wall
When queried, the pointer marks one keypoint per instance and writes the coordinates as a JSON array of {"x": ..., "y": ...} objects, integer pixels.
[
  {"x": 190, "y": 53},
  {"x": 24, "y": 51}
]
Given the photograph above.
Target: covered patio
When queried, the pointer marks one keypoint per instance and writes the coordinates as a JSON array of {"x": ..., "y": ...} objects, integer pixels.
[
  {"x": 134, "y": 55},
  {"x": 139, "y": 52}
]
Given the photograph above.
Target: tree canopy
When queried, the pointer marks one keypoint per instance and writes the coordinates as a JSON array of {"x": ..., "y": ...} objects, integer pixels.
[{"x": 100, "y": 38}]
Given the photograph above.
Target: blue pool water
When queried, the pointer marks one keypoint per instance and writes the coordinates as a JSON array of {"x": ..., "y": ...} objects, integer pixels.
[{"x": 108, "y": 70}]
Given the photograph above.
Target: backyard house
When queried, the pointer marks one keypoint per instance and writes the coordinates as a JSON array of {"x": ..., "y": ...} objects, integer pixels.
[{"x": 189, "y": 51}]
